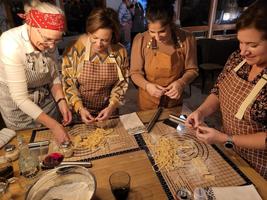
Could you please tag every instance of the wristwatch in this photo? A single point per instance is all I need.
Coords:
(229, 142)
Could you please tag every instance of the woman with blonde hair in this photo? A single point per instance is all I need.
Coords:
(31, 91)
(95, 68)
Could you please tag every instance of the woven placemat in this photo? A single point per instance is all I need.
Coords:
(221, 172)
(118, 141)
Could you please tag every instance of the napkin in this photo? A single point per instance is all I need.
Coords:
(6, 135)
(132, 123)
(247, 192)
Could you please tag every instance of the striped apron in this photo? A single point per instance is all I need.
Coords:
(38, 76)
(236, 98)
(96, 81)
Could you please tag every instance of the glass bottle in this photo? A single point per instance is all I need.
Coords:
(28, 163)
(6, 167)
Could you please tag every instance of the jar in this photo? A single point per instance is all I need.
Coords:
(66, 148)
(11, 152)
(6, 168)
(183, 194)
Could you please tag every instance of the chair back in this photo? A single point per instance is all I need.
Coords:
(215, 51)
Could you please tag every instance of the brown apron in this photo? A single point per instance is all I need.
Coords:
(96, 80)
(233, 92)
(161, 68)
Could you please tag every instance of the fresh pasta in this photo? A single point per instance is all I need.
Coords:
(93, 140)
(165, 154)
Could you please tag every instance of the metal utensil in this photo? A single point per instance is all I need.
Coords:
(86, 164)
(155, 117)
(177, 119)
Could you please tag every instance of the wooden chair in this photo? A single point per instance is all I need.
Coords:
(212, 56)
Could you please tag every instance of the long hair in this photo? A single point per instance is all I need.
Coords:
(162, 11)
(254, 17)
(104, 18)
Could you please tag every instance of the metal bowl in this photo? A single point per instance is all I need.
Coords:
(65, 182)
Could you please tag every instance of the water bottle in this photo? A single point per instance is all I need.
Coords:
(28, 163)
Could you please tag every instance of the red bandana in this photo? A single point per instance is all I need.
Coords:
(50, 21)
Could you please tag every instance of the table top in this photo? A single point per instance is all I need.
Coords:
(144, 181)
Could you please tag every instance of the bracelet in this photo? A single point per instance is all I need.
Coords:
(79, 110)
(60, 99)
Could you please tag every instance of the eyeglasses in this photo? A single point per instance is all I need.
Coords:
(47, 42)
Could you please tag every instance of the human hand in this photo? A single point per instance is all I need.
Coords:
(174, 90)
(194, 119)
(155, 90)
(105, 113)
(86, 117)
(65, 112)
(60, 134)
(210, 135)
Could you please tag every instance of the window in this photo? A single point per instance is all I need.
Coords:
(227, 12)
(194, 12)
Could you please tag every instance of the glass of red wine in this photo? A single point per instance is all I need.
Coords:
(120, 184)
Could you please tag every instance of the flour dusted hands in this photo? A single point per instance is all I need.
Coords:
(66, 113)
(210, 135)
(155, 90)
(174, 90)
(105, 113)
(60, 134)
(194, 119)
(86, 117)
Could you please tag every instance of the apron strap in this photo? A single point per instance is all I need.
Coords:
(116, 60)
(118, 63)
(88, 50)
(240, 65)
(250, 98)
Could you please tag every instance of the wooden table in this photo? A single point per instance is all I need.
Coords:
(144, 182)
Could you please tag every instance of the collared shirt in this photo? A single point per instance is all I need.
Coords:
(72, 65)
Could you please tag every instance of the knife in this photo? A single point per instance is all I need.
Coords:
(86, 164)
(155, 117)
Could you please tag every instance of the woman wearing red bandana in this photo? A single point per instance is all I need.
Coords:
(30, 88)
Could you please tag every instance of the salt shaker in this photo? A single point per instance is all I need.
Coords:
(183, 194)
(200, 194)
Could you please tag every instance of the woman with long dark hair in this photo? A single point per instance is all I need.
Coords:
(163, 59)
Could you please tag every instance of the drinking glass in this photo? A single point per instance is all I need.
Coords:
(120, 184)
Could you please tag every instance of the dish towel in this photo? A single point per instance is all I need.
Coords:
(247, 192)
(6, 135)
(132, 123)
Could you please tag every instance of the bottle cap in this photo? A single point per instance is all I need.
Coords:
(10, 147)
(183, 193)
(65, 144)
